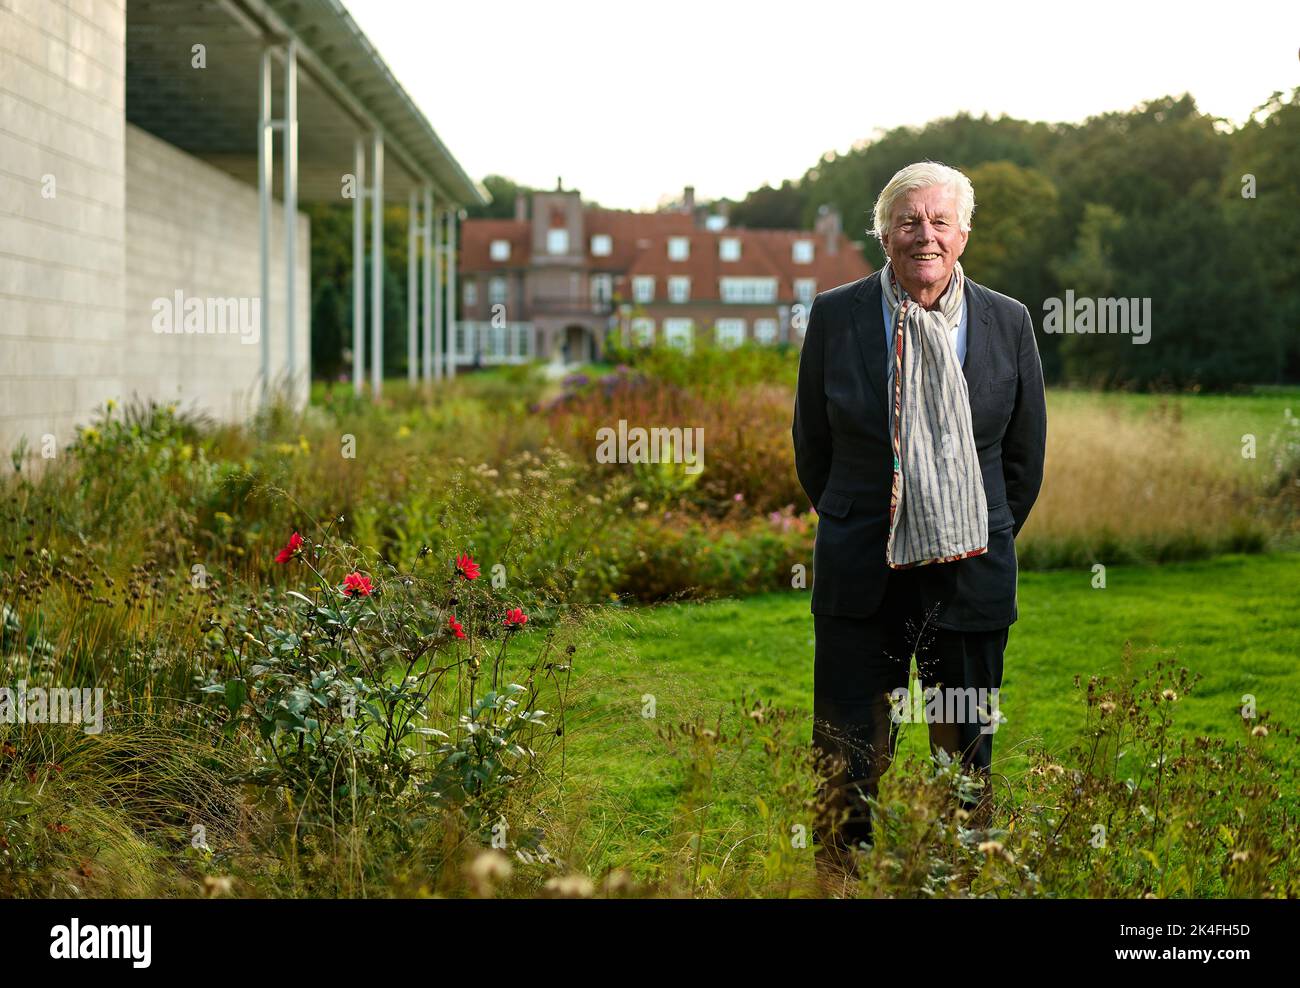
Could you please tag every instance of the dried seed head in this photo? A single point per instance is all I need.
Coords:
(216, 885)
(489, 869)
(572, 886)
(618, 882)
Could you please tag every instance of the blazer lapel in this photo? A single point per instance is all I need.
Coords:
(869, 330)
(978, 335)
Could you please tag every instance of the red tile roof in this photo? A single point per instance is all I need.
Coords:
(476, 238)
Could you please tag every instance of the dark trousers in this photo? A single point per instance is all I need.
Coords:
(859, 664)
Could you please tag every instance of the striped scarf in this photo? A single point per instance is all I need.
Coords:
(937, 509)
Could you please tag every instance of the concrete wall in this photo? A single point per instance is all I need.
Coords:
(192, 228)
(99, 219)
(62, 207)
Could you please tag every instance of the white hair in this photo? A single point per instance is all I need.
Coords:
(924, 175)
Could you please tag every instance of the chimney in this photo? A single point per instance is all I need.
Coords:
(830, 226)
(688, 200)
(521, 207)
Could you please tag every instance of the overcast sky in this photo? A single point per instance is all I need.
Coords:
(629, 102)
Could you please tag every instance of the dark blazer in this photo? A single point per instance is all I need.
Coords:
(844, 456)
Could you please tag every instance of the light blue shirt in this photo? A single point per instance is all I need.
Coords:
(958, 341)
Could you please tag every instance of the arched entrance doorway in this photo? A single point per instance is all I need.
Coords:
(577, 345)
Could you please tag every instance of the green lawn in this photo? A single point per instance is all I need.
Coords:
(1231, 619)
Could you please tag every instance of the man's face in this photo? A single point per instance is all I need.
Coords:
(923, 240)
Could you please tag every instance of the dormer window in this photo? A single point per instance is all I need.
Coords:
(729, 249)
(557, 241)
(803, 252)
(602, 245)
(679, 248)
(500, 250)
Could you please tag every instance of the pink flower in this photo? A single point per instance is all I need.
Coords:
(285, 554)
(515, 619)
(456, 628)
(466, 567)
(354, 583)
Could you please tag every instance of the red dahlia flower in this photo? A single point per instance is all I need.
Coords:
(515, 619)
(285, 554)
(466, 567)
(456, 628)
(354, 583)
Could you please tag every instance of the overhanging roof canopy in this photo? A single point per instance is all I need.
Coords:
(344, 89)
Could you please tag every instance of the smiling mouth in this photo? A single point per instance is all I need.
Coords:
(925, 257)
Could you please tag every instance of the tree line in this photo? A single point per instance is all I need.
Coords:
(1161, 202)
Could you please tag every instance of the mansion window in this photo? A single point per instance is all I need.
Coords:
(761, 290)
(643, 331)
(729, 333)
(680, 333)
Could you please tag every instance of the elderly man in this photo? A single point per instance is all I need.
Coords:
(919, 431)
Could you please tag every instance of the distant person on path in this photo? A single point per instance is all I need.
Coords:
(919, 433)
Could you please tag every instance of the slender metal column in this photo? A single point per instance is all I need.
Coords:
(412, 289)
(439, 368)
(426, 321)
(291, 213)
(265, 160)
(359, 267)
(377, 267)
(451, 292)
